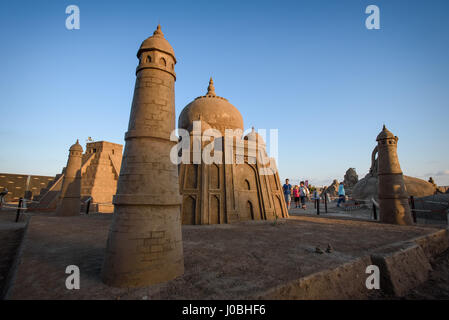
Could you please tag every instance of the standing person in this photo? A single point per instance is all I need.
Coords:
(287, 187)
(325, 195)
(316, 195)
(303, 192)
(341, 194)
(3, 195)
(296, 195)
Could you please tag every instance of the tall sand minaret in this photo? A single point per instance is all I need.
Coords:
(393, 197)
(145, 242)
(70, 196)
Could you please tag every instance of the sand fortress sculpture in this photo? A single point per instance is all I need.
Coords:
(98, 167)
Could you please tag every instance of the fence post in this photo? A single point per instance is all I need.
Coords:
(19, 206)
(447, 218)
(88, 205)
(374, 211)
(412, 202)
(325, 202)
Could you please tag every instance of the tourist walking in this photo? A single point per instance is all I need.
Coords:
(303, 193)
(287, 187)
(341, 194)
(296, 195)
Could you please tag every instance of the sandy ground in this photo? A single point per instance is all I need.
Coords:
(360, 214)
(332, 211)
(437, 287)
(10, 237)
(221, 261)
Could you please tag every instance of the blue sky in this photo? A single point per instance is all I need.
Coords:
(308, 68)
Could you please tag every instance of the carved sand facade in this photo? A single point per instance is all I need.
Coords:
(99, 174)
(99, 170)
(226, 191)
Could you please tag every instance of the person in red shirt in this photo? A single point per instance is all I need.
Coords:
(296, 195)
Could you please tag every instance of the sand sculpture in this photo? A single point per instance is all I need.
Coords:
(392, 194)
(350, 180)
(70, 195)
(145, 243)
(226, 191)
(367, 188)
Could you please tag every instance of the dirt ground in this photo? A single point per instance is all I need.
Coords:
(10, 237)
(437, 287)
(221, 261)
(363, 213)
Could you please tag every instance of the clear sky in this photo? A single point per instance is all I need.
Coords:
(308, 68)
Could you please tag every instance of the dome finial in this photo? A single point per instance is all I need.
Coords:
(211, 88)
(385, 134)
(158, 31)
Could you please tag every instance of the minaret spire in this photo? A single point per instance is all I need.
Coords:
(211, 88)
(158, 31)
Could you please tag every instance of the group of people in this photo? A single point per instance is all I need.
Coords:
(300, 193)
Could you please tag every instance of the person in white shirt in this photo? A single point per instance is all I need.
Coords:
(304, 192)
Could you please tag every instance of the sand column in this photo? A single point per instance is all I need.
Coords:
(70, 197)
(393, 197)
(145, 242)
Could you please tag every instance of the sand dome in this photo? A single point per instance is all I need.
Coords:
(254, 136)
(385, 134)
(157, 41)
(214, 110)
(76, 147)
